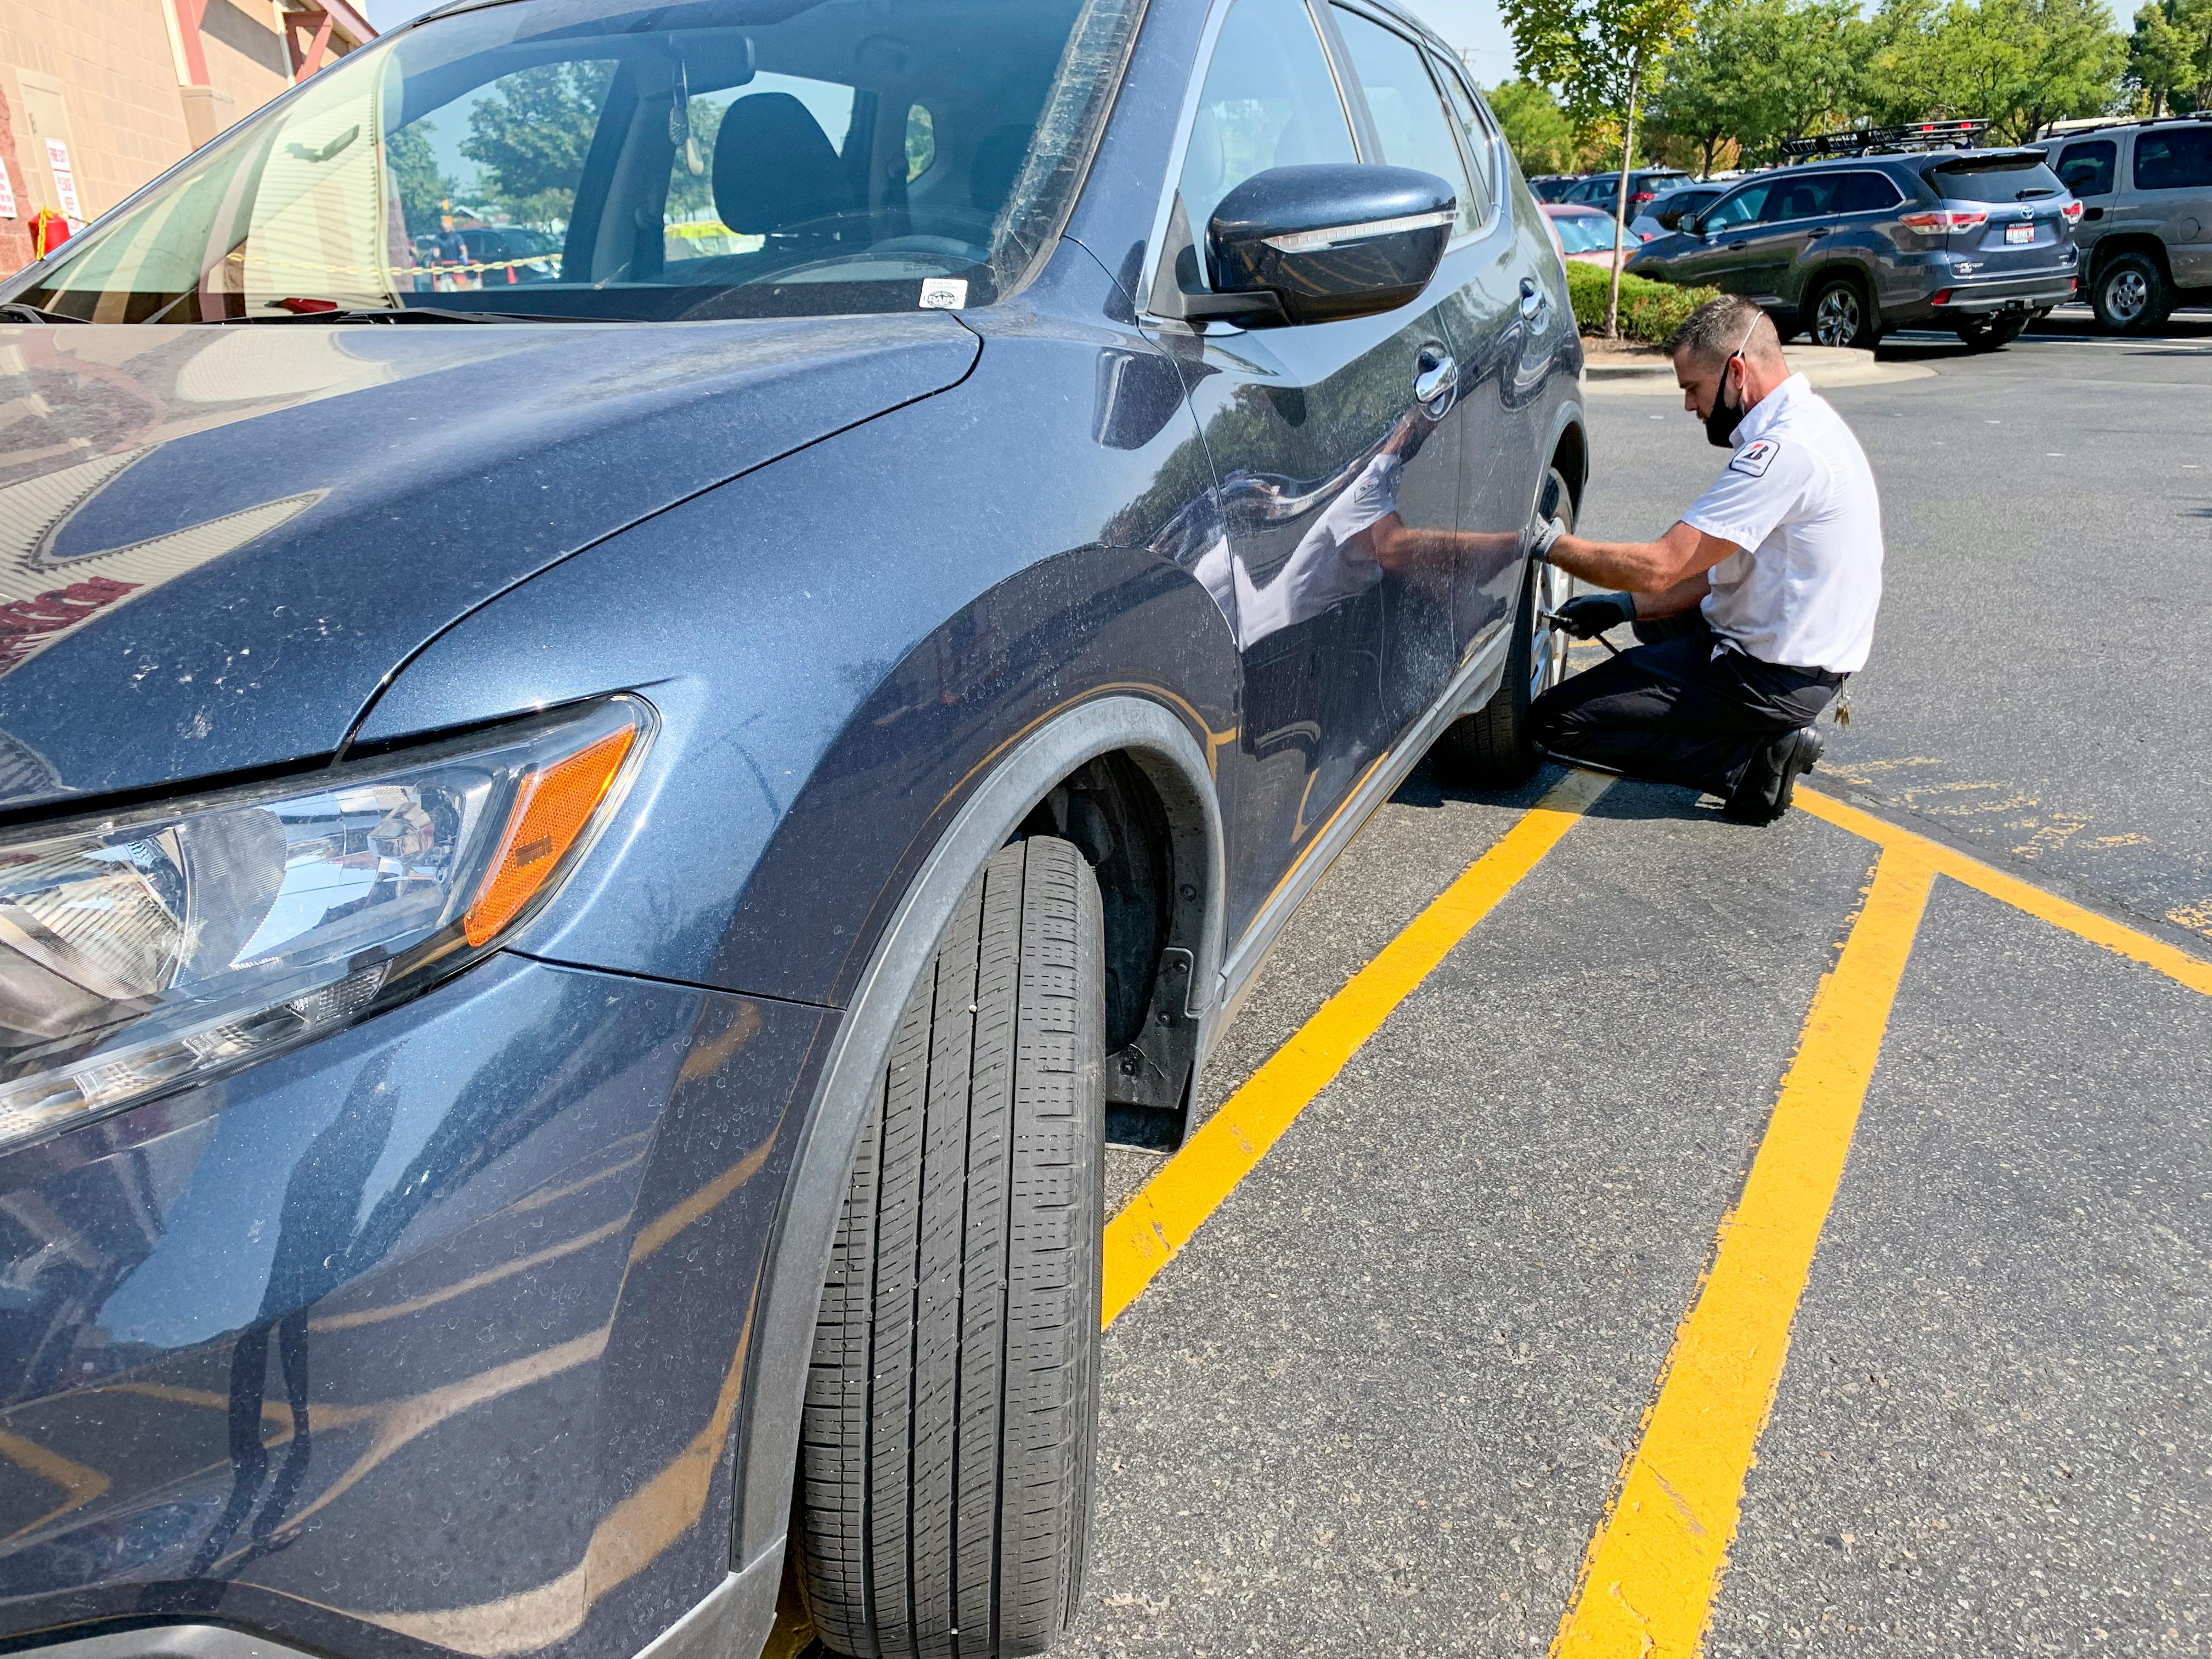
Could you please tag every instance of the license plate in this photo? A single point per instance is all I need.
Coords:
(2016, 235)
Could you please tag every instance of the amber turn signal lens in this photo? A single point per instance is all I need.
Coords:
(551, 810)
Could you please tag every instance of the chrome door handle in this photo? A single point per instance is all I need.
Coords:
(1824, 230)
(1532, 299)
(1439, 379)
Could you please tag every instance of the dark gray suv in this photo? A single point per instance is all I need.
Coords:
(1976, 241)
(2146, 188)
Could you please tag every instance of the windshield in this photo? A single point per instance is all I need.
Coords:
(1586, 233)
(617, 160)
(1995, 179)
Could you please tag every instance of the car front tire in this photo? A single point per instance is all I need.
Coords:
(2130, 296)
(947, 1451)
(1495, 747)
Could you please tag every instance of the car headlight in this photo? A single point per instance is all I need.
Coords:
(137, 953)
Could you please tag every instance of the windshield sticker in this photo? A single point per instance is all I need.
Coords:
(1754, 457)
(944, 294)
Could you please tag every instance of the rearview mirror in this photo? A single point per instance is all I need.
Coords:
(1312, 243)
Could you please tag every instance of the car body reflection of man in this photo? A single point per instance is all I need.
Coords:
(1775, 572)
(1359, 538)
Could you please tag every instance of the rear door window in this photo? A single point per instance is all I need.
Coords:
(1865, 192)
(2087, 168)
(1409, 114)
(2174, 158)
(1799, 198)
(1995, 179)
(1481, 146)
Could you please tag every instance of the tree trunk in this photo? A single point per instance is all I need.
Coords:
(1620, 201)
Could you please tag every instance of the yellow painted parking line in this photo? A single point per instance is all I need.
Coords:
(1161, 1219)
(2176, 963)
(1648, 1581)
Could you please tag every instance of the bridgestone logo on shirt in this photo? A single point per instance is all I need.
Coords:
(1753, 457)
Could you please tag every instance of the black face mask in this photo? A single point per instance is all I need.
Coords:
(1725, 417)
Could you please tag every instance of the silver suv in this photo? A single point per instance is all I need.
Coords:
(2146, 227)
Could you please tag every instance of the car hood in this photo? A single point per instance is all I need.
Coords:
(216, 544)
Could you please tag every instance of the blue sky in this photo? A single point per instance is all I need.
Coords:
(1472, 26)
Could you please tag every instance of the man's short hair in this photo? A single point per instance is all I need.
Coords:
(1716, 331)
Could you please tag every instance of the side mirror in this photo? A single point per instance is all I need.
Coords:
(1312, 243)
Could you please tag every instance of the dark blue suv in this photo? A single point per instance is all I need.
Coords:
(1976, 240)
(588, 857)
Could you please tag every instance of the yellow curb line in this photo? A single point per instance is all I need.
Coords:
(1159, 1220)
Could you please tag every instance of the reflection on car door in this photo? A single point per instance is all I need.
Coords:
(1337, 486)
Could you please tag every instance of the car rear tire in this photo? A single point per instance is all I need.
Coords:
(1841, 316)
(2130, 295)
(1495, 747)
(1993, 333)
(951, 1427)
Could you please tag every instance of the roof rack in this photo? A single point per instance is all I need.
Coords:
(1868, 141)
(2056, 131)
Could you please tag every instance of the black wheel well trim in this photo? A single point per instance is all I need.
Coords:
(783, 1335)
(1569, 437)
(2110, 248)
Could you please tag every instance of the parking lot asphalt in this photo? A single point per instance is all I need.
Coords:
(1474, 1358)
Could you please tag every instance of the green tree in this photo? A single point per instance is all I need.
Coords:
(2016, 64)
(2170, 58)
(1757, 72)
(1543, 138)
(531, 134)
(415, 176)
(1604, 55)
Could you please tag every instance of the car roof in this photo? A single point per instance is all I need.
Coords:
(1571, 209)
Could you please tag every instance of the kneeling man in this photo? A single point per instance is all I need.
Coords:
(1774, 574)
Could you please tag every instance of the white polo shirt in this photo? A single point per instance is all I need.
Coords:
(1798, 501)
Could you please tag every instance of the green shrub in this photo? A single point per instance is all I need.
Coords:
(1650, 311)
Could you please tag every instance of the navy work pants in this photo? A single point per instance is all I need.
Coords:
(1679, 711)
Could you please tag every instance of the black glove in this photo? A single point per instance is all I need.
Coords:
(1588, 614)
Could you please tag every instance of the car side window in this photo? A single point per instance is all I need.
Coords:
(1482, 145)
(1799, 198)
(2087, 168)
(1739, 209)
(1269, 100)
(2174, 158)
(1865, 192)
(1409, 115)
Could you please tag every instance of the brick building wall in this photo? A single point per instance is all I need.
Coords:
(125, 88)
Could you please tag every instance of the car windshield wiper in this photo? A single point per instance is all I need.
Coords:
(412, 314)
(14, 310)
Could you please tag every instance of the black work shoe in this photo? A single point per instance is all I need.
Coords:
(1801, 755)
(1768, 782)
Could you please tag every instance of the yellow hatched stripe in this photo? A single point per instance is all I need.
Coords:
(2178, 964)
(1649, 1579)
(1189, 1186)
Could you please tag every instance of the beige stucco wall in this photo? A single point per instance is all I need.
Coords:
(111, 72)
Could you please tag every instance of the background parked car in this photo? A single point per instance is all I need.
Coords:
(1979, 241)
(1586, 233)
(1644, 186)
(1552, 186)
(2146, 225)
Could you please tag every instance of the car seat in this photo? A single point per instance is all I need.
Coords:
(776, 171)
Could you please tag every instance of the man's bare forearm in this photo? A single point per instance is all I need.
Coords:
(1634, 566)
(1684, 595)
(1655, 568)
